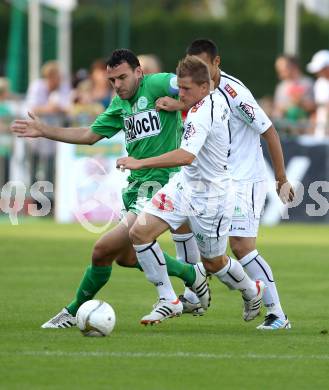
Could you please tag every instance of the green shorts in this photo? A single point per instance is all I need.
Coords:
(136, 195)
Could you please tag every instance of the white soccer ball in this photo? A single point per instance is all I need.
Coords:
(95, 318)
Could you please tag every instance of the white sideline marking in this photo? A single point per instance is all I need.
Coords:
(191, 355)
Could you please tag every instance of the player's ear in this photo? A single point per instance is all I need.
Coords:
(217, 60)
(139, 72)
(205, 87)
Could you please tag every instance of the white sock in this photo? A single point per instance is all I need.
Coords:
(154, 265)
(187, 251)
(258, 269)
(235, 278)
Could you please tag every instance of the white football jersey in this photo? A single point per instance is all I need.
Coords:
(206, 135)
(247, 122)
(321, 91)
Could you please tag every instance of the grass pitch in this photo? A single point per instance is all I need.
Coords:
(41, 265)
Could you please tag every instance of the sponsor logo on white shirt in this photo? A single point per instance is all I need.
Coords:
(197, 106)
(230, 91)
(247, 111)
(189, 130)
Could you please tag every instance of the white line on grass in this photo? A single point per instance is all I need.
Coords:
(165, 355)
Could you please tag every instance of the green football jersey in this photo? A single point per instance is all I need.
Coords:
(148, 133)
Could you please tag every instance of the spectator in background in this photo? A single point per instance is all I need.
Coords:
(9, 107)
(84, 109)
(80, 75)
(5, 104)
(50, 94)
(150, 63)
(50, 98)
(293, 97)
(319, 66)
(101, 91)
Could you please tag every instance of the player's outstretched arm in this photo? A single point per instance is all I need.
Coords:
(175, 158)
(284, 188)
(34, 128)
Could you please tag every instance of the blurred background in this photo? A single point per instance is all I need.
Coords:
(52, 61)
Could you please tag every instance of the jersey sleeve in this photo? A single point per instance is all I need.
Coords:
(164, 84)
(110, 121)
(249, 111)
(196, 129)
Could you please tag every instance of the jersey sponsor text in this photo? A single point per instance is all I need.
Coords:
(141, 125)
(247, 111)
(230, 91)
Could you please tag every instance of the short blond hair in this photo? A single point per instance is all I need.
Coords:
(49, 68)
(194, 67)
(150, 63)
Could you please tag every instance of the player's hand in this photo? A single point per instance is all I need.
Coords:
(32, 127)
(285, 191)
(167, 104)
(128, 163)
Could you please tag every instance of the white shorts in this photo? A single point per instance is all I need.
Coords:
(249, 203)
(208, 217)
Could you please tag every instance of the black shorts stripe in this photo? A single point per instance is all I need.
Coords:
(218, 227)
(253, 199)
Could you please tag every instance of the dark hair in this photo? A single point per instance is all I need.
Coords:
(120, 56)
(192, 66)
(203, 46)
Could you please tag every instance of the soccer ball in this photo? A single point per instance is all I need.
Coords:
(95, 318)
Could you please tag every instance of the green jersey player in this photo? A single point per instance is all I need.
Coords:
(148, 133)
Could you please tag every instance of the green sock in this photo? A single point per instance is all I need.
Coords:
(183, 271)
(93, 280)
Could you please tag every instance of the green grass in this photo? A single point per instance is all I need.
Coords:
(41, 265)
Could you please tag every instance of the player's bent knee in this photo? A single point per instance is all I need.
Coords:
(241, 246)
(216, 264)
(138, 235)
(236, 251)
(101, 256)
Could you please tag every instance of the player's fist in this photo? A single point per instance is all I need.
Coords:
(167, 103)
(128, 163)
(285, 191)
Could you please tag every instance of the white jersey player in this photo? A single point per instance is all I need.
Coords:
(200, 194)
(246, 163)
(248, 121)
